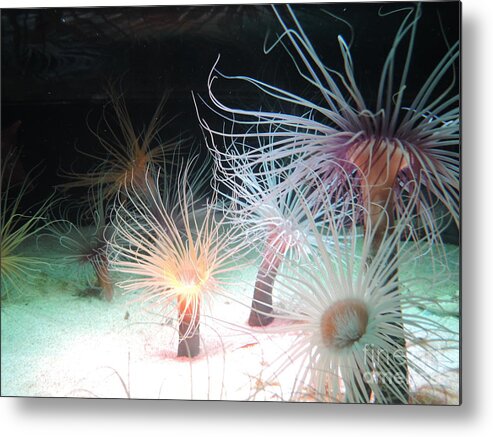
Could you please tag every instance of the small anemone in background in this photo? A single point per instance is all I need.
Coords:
(346, 314)
(174, 250)
(86, 243)
(17, 227)
(127, 154)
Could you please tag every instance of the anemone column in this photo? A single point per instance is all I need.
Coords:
(262, 295)
(189, 327)
(266, 276)
(379, 162)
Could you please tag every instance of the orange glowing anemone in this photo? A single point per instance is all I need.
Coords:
(175, 251)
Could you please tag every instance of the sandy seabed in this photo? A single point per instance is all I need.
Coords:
(55, 343)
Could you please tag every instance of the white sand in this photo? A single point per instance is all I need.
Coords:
(57, 344)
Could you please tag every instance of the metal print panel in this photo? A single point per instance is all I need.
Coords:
(236, 202)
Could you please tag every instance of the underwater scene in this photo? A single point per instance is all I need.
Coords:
(235, 202)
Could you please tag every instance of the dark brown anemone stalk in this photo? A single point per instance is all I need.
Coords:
(261, 310)
(379, 163)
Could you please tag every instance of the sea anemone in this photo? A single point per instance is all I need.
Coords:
(268, 215)
(87, 244)
(347, 314)
(127, 153)
(175, 251)
(16, 227)
(404, 146)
